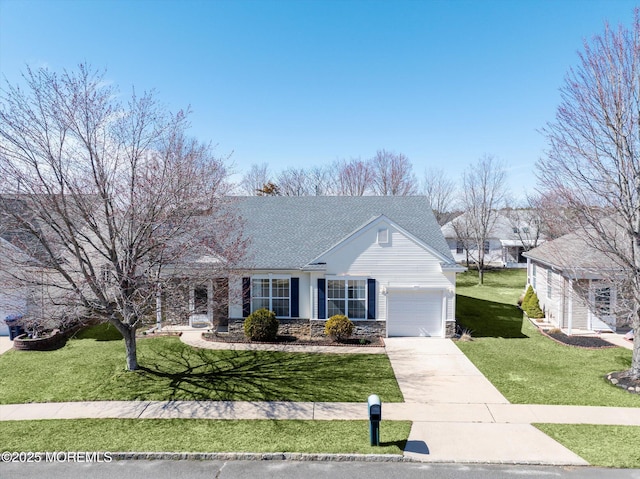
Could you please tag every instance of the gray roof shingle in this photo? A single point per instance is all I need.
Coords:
(289, 232)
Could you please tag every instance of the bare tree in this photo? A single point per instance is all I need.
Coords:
(553, 216)
(526, 227)
(593, 160)
(353, 177)
(393, 175)
(294, 182)
(440, 191)
(114, 198)
(253, 181)
(462, 229)
(483, 194)
(319, 180)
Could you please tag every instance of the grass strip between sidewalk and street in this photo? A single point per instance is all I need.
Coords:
(93, 370)
(201, 435)
(605, 446)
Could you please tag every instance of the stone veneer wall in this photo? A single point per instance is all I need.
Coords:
(449, 329)
(175, 305)
(362, 329)
(313, 329)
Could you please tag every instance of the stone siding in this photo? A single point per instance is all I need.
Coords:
(449, 329)
(362, 329)
(312, 329)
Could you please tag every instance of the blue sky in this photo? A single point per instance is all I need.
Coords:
(302, 83)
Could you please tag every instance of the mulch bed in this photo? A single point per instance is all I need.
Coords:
(624, 380)
(587, 342)
(294, 340)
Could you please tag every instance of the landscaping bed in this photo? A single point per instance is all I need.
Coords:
(375, 341)
(587, 342)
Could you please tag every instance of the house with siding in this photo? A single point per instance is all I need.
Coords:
(381, 261)
(512, 233)
(575, 284)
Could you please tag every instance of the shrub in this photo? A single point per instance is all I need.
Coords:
(338, 327)
(527, 297)
(531, 305)
(261, 325)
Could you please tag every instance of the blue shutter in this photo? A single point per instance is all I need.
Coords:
(322, 299)
(295, 297)
(246, 297)
(371, 299)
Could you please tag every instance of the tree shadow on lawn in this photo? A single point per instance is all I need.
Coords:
(175, 371)
(489, 319)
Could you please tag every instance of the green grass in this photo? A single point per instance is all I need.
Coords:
(606, 446)
(201, 435)
(99, 332)
(525, 366)
(91, 370)
(500, 285)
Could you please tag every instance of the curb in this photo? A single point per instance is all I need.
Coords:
(257, 456)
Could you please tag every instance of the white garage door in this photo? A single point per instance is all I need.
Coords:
(415, 313)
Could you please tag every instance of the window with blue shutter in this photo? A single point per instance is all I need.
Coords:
(322, 299)
(371, 298)
(246, 297)
(295, 297)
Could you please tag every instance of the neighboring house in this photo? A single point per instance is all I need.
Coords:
(513, 233)
(574, 285)
(382, 261)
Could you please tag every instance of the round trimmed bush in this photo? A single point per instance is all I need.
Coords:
(261, 325)
(338, 327)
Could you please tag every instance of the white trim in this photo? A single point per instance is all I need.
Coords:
(383, 236)
(270, 277)
(347, 278)
(413, 287)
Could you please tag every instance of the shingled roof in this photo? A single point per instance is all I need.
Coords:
(572, 253)
(290, 232)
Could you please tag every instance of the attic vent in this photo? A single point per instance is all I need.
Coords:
(383, 236)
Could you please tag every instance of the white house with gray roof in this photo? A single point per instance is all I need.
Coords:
(512, 232)
(575, 284)
(382, 261)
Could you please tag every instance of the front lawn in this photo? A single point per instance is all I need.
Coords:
(605, 446)
(525, 366)
(201, 435)
(93, 370)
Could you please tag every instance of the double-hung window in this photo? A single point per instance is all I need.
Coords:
(348, 297)
(272, 293)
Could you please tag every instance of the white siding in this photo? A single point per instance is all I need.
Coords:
(401, 262)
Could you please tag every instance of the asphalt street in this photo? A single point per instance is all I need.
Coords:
(160, 469)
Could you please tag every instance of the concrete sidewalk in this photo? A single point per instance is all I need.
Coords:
(457, 414)
(5, 344)
(428, 413)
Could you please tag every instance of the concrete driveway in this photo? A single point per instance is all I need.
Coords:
(451, 404)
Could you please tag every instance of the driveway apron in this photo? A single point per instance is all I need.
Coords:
(436, 378)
